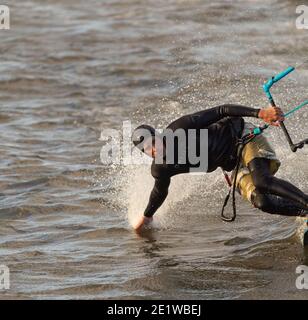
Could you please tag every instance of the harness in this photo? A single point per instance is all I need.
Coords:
(241, 142)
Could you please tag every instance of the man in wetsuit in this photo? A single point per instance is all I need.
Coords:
(225, 124)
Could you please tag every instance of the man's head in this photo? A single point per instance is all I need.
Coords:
(147, 140)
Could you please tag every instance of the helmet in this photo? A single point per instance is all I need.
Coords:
(141, 134)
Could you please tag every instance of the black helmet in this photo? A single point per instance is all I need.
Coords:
(141, 134)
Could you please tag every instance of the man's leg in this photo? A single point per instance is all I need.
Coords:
(276, 205)
(266, 183)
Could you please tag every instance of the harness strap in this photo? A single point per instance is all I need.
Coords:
(240, 146)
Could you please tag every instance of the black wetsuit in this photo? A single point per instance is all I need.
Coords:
(225, 125)
(274, 195)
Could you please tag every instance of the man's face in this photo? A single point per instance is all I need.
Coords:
(153, 147)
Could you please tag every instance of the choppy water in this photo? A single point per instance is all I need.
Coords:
(72, 68)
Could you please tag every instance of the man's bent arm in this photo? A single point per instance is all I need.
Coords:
(158, 196)
(210, 116)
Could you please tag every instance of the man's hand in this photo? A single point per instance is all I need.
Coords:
(271, 115)
(145, 221)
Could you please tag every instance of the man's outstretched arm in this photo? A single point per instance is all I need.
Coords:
(210, 116)
(157, 197)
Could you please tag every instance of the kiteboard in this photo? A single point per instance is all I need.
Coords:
(305, 237)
